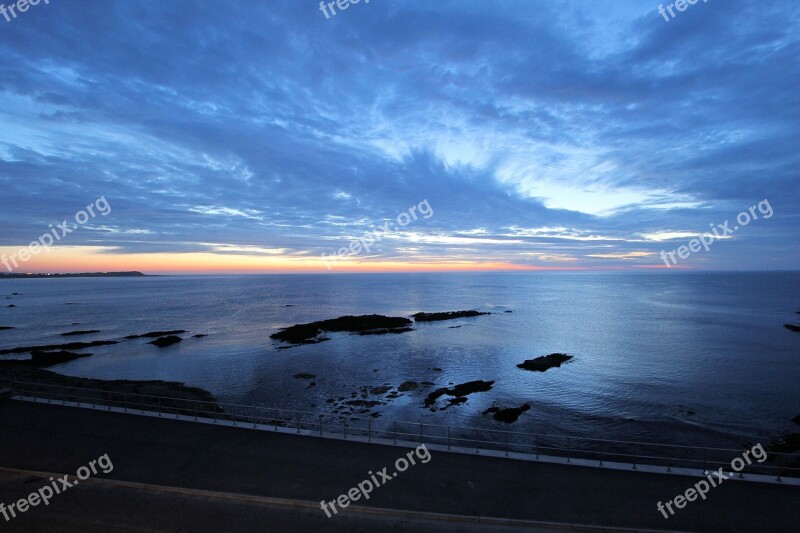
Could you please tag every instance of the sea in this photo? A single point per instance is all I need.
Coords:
(675, 357)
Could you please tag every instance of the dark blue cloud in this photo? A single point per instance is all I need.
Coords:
(541, 134)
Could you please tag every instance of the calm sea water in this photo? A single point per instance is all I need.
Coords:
(650, 348)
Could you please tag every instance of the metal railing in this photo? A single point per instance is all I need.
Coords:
(567, 447)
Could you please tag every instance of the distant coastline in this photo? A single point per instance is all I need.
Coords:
(131, 274)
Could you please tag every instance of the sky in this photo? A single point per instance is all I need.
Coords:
(256, 136)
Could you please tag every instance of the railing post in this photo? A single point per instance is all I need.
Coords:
(448, 438)
(476, 441)
(569, 448)
(320, 425)
(420, 433)
(537, 446)
(369, 430)
(395, 431)
(507, 444)
(298, 422)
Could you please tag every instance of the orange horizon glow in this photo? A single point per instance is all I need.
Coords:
(78, 259)
(98, 259)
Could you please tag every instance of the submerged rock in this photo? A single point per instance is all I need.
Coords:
(450, 315)
(546, 362)
(51, 347)
(788, 444)
(303, 375)
(81, 332)
(163, 342)
(383, 389)
(363, 403)
(509, 415)
(154, 334)
(364, 324)
(40, 358)
(463, 389)
(408, 386)
(384, 331)
(792, 327)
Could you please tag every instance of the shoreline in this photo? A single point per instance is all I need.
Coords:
(11, 371)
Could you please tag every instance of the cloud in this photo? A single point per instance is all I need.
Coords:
(555, 132)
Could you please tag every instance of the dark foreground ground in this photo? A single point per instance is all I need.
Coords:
(243, 480)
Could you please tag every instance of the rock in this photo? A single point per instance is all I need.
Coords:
(200, 335)
(163, 342)
(154, 334)
(509, 415)
(51, 347)
(363, 403)
(3, 328)
(455, 327)
(450, 315)
(380, 390)
(364, 324)
(12, 305)
(792, 327)
(408, 386)
(508, 311)
(41, 358)
(456, 401)
(796, 419)
(312, 384)
(84, 332)
(385, 331)
(788, 444)
(304, 376)
(435, 369)
(541, 364)
(460, 390)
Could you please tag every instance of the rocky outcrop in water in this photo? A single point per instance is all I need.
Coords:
(792, 327)
(80, 332)
(163, 342)
(154, 334)
(509, 415)
(450, 315)
(51, 347)
(459, 391)
(364, 325)
(546, 362)
(40, 359)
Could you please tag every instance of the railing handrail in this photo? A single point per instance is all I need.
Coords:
(318, 415)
